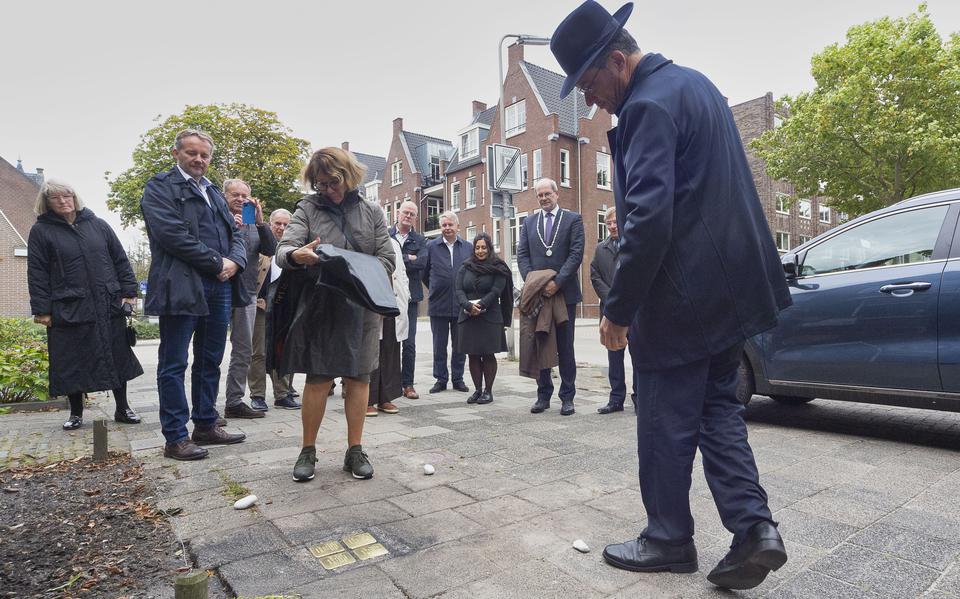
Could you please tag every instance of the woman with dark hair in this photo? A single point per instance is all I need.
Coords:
(81, 287)
(484, 289)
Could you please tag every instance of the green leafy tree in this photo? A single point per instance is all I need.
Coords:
(881, 125)
(251, 144)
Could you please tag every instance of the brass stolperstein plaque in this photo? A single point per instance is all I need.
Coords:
(325, 549)
(370, 551)
(337, 560)
(359, 540)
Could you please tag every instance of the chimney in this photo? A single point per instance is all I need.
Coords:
(478, 107)
(397, 126)
(345, 146)
(514, 55)
(40, 173)
(443, 166)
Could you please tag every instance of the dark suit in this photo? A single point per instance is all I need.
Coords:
(601, 276)
(439, 275)
(189, 238)
(698, 273)
(566, 255)
(414, 244)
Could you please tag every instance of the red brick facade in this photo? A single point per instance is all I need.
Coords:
(18, 192)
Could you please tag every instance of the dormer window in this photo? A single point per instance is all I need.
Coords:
(470, 143)
(516, 118)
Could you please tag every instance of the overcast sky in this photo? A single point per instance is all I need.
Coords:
(83, 80)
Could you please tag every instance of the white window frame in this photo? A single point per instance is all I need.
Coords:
(496, 234)
(602, 232)
(782, 205)
(524, 173)
(518, 221)
(564, 168)
(515, 118)
(537, 165)
(471, 233)
(455, 196)
(605, 181)
(396, 173)
(471, 200)
(805, 209)
(783, 243)
(372, 192)
(435, 167)
(470, 143)
(824, 210)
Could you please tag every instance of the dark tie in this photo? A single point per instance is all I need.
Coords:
(548, 228)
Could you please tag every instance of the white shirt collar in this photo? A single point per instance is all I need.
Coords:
(204, 182)
(554, 212)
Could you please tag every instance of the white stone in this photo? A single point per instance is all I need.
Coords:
(580, 546)
(245, 502)
(428, 469)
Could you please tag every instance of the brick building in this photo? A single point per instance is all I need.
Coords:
(373, 177)
(792, 221)
(18, 192)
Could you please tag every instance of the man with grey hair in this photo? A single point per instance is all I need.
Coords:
(197, 252)
(259, 240)
(444, 257)
(284, 396)
(412, 244)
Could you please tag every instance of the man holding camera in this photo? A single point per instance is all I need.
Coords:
(259, 239)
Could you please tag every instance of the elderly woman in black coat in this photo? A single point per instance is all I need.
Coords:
(484, 291)
(80, 279)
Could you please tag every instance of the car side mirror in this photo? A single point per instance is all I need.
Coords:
(791, 265)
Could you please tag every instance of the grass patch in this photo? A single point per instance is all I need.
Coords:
(232, 490)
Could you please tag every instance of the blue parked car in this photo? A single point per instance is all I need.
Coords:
(875, 315)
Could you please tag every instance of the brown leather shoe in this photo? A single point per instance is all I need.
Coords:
(184, 450)
(242, 410)
(388, 408)
(410, 393)
(216, 436)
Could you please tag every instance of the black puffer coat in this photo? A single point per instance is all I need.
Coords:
(78, 274)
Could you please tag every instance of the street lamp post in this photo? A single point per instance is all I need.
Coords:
(505, 225)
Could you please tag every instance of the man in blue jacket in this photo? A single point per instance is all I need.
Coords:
(196, 252)
(444, 257)
(698, 273)
(553, 239)
(413, 245)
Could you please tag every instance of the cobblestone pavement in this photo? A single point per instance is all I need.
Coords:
(865, 497)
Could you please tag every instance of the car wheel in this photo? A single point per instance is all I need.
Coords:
(745, 384)
(791, 400)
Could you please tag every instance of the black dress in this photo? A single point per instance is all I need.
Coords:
(482, 334)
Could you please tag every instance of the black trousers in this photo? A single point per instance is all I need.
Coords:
(385, 380)
(568, 362)
(444, 328)
(684, 408)
(409, 359)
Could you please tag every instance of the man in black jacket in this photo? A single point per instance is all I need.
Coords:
(412, 244)
(196, 251)
(601, 275)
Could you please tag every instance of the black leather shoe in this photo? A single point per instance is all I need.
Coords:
(242, 410)
(485, 398)
(540, 406)
(216, 436)
(221, 422)
(609, 409)
(646, 555)
(460, 386)
(126, 416)
(566, 408)
(184, 450)
(474, 396)
(748, 563)
(438, 387)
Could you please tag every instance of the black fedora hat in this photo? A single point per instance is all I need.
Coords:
(582, 36)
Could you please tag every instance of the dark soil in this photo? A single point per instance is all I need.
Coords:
(83, 529)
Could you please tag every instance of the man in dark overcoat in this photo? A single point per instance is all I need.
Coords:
(553, 238)
(196, 253)
(444, 257)
(413, 245)
(602, 267)
(698, 274)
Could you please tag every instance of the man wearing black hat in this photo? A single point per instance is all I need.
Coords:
(698, 274)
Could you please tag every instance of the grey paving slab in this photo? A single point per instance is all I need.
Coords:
(910, 545)
(415, 575)
(499, 511)
(814, 585)
(431, 500)
(534, 578)
(812, 530)
(487, 487)
(272, 573)
(432, 529)
(363, 583)
(877, 573)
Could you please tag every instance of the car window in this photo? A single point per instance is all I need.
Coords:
(902, 238)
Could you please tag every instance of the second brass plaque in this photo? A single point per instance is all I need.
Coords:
(359, 540)
(325, 549)
(370, 551)
(337, 560)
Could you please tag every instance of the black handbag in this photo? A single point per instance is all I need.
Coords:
(131, 331)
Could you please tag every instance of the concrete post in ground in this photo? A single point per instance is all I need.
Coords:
(192, 585)
(99, 440)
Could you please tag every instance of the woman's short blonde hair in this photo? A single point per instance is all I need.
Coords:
(55, 188)
(334, 163)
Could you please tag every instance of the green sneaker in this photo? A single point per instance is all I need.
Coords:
(357, 464)
(303, 471)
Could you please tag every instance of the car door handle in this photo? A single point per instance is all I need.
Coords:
(916, 286)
